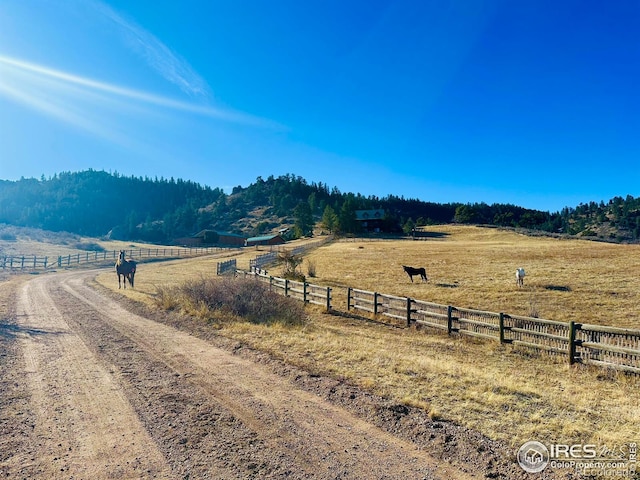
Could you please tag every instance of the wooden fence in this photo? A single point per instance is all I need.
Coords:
(226, 267)
(272, 256)
(262, 260)
(609, 347)
(303, 291)
(35, 262)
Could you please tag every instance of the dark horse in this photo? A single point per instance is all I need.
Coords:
(126, 268)
(416, 271)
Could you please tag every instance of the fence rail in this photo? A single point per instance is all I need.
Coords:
(226, 267)
(612, 347)
(537, 333)
(609, 347)
(35, 262)
(262, 260)
(303, 291)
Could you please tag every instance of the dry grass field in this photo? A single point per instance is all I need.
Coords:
(506, 394)
(23, 241)
(474, 267)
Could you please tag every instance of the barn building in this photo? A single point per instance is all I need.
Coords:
(265, 240)
(211, 237)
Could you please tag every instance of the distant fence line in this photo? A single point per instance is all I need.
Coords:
(608, 347)
(262, 260)
(271, 257)
(35, 262)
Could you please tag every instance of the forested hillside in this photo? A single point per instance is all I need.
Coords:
(97, 203)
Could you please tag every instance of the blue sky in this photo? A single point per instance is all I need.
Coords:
(535, 103)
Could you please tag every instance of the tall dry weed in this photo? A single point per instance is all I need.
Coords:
(232, 298)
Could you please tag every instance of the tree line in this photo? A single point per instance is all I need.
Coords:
(98, 203)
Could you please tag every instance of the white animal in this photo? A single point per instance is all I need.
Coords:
(520, 277)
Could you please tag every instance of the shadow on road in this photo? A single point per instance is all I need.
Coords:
(10, 330)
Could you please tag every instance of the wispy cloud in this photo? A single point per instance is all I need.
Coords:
(55, 92)
(40, 73)
(65, 101)
(157, 55)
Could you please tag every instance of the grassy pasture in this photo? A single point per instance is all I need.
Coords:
(505, 393)
(474, 267)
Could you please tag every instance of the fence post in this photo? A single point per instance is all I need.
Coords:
(45, 262)
(572, 342)
(449, 319)
(304, 291)
(501, 323)
(375, 303)
(409, 311)
(286, 287)
(348, 298)
(328, 298)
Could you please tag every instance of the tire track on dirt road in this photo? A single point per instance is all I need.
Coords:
(84, 426)
(118, 395)
(322, 439)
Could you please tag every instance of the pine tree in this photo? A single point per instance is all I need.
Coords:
(329, 219)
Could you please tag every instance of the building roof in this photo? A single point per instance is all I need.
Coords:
(223, 234)
(377, 214)
(262, 238)
(229, 234)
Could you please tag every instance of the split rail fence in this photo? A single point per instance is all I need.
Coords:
(608, 347)
(36, 262)
(303, 291)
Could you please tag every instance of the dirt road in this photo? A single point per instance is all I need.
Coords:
(92, 390)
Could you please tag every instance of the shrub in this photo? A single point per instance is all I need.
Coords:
(89, 246)
(291, 262)
(311, 268)
(228, 298)
(8, 237)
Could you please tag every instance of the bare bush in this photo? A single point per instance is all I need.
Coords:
(89, 246)
(228, 298)
(311, 268)
(291, 263)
